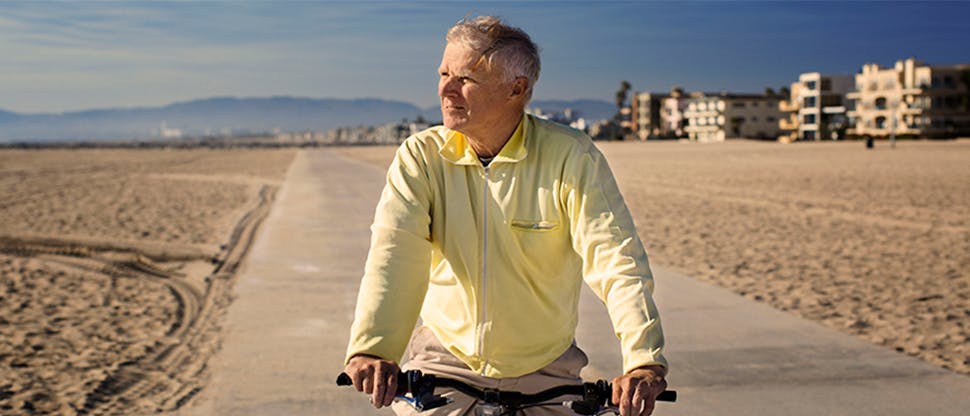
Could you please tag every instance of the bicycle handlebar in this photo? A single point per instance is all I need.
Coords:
(421, 387)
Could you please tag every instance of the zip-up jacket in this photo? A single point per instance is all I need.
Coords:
(492, 258)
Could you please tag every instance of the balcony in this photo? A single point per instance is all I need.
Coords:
(788, 106)
(786, 124)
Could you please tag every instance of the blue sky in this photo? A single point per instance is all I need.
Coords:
(64, 56)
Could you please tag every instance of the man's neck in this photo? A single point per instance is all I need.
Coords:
(490, 143)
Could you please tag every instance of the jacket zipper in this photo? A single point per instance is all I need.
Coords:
(482, 317)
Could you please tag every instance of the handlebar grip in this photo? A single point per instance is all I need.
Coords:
(344, 380)
(667, 396)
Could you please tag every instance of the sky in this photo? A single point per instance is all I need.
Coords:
(68, 56)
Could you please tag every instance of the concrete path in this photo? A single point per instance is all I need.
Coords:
(287, 330)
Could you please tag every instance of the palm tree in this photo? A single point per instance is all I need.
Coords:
(785, 92)
(621, 97)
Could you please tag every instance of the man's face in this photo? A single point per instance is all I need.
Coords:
(473, 98)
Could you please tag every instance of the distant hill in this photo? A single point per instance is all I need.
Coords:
(219, 115)
(591, 110)
(211, 116)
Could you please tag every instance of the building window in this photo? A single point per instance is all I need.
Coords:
(809, 135)
(770, 119)
(754, 118)
(809, 102)
(881, 103)
(826, 84)
(880, 122)
(809, 119)
(810, 85)
(738, 104)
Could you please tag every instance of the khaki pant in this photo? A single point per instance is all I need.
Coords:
(428, 355)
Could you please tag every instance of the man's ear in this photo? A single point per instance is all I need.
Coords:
(519, 86)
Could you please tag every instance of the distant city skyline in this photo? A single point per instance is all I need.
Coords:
(60, 57)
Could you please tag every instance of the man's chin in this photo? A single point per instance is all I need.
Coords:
(452, 123)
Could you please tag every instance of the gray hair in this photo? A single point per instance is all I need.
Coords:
(499, 42)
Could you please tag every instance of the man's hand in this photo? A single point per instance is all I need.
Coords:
(374, 376)
(636, 392)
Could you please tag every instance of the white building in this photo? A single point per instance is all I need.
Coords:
(911, 98)
(714, 118)
(672, 119)
(821, 104)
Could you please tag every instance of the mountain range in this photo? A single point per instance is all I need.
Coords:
(236, 116)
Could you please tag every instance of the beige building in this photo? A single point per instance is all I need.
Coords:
(645, 118)
(713, 118)
(659, 116)
(911, 99)
(817, 107)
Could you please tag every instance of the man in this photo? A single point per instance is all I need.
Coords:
(486, 228)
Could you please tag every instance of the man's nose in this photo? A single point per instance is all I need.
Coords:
(447, 86)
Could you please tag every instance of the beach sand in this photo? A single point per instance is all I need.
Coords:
(115, 266)
(875, 243)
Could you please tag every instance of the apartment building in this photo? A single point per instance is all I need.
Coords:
(817, 107)
(645, 118)
(911, 99)
(657, 115)
(672, 107)
(713, 118)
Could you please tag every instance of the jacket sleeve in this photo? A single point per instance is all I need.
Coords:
(396, 273)
(615, 264)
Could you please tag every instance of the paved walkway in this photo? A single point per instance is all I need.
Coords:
(286, 331)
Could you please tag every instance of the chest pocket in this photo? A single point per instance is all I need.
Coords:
(536, 237)
(528, 225)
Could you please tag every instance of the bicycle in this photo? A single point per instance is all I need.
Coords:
(417, 390)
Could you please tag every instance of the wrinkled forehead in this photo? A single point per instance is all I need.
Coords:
(458, 56)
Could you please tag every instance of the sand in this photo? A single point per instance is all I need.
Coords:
(115, 267)
(874, 243)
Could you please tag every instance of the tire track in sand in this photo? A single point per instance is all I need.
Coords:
(173, 372)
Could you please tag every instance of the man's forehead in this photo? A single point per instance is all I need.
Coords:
(458, 57)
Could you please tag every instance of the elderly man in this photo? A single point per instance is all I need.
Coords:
(486, 228)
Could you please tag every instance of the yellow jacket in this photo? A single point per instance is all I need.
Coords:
(493, 258)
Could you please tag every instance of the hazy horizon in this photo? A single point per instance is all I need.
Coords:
(66, 56)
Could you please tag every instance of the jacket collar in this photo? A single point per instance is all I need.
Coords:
(457, 150)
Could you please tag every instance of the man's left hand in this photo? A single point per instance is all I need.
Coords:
(636, 392)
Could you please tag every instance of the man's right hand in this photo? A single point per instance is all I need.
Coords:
(374, 376)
